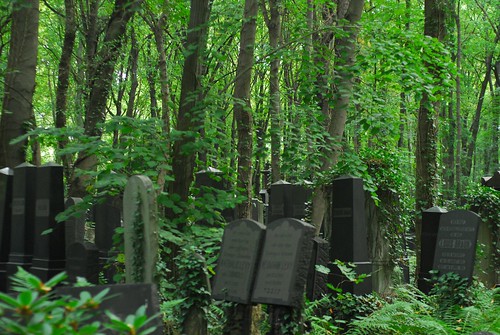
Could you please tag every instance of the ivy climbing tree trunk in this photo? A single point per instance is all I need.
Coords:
(242, 107)
(99, 85)
(63, 77)
(17, 108)
(426, 148)
(191, 115)
(348, 15)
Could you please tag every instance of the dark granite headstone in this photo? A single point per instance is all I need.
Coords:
(82, 260)
(288, 201)
(317, 281)
(284, 264)
(235, 272)
(49, 252)
(493, 182)
(75, 225)
(456, 243)
(107, 217)
(212, 179)
(349, 239)
(23, 218)
(430, 226)
(6, 178)
(122, 300)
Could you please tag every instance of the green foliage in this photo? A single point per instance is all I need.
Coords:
(36, 310)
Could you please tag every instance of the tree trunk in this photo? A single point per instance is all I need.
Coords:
(345, 47)
(273, 22)
(17, 108)
(191, 114)
(63, 79)
(134, 83)
(242, 108)
(100, 83)
(426, 150)
(458, 119)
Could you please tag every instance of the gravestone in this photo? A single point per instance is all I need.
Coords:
(456, 243)
(317, 281)
(349, 237)
(6, 179)
(140, 230)
(284, 264)
(288, 201)
(75, 225)
(107, 217)
(493, 182)
(121, 300)
(82, 260)
(430, 226)
(235, 272)
(49, 254)
(23, 218)
(212, 180)
(257, 210)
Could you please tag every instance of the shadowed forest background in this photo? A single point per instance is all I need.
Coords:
(404, 94)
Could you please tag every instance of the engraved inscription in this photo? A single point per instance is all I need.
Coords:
(42, 207)
(342, 212)
(18, 206)
(278, 209)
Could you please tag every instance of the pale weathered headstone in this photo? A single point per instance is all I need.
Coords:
(284, 264)
(75, 225)
(456, 243)
(140, 230)
(236, 266)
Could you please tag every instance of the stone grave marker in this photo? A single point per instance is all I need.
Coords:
(214, 179)
(257, 210)
(456, 243)
(107, 217)
(75, 225)
(6, 179)
(349, 237)
(140, 230)
(236, 266)
(430, 226)
(316, 280)
(288, 201)
(122, 300)
(82, 260)
(284, 264)
(49, 253)
(23, 218)
(493, 181)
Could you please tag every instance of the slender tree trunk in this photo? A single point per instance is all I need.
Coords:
(134, 83)
(345, 46)
(242, 107)
(458, 120)
(191, 114)
(17, 109)
(273, 22)
(494, 162)
(426, 151)
(100, 83)
(63, 78)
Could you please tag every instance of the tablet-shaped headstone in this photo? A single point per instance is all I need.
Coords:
(75, 225)
(140, 230)
(82, 261)
(456, 243)
(241, 246)
(284, 263)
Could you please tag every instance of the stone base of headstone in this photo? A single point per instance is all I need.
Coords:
(239, 318)
(382, 277)
(46, 269)
(3, 277)
(83, 261)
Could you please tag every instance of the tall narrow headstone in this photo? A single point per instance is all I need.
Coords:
(284, 264)
(236, 266)
(430, 226)
(288, 201)
(140, 230)
(6, 178)
(23, 218)
(349, 239)
(107, 217)
(317, 279)
(456, 243)
(75, 225)
(49, 253)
